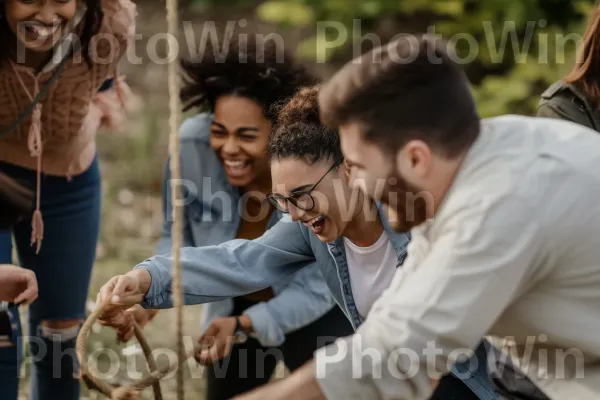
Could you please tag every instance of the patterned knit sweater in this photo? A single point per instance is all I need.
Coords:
(71, 113)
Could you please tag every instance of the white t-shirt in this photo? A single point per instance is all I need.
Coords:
(371, 271)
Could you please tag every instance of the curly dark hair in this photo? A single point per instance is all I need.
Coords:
(299, 132)
(91, 23)
(254, 68)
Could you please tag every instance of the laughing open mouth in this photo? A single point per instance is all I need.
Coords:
(36, 31)
(237, 168)
(317, 224)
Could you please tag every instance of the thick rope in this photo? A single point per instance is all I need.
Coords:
(116, 393)
(129, 391)
(177, 212)
(139, 334)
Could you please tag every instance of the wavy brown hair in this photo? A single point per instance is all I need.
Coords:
(299, 132)
(586, 72)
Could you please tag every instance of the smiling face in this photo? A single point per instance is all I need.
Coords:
(334, 202)
(39, 24)
(239, 136)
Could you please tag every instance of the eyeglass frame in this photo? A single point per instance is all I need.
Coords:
(289, 199)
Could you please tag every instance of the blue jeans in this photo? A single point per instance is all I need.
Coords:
(71, 213)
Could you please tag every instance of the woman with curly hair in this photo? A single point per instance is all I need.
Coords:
(57, 88)
(340, 229)
(227, 177)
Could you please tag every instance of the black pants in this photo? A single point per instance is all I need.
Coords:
(452, 388)
(250, 365)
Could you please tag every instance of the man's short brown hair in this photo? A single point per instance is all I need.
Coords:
(408, 89)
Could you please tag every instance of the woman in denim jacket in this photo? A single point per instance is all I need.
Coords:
(224, 156)
(341, 229)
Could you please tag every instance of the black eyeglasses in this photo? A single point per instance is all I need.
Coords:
(301, 199)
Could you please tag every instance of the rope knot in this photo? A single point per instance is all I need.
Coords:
(34, 140)
(37, 230)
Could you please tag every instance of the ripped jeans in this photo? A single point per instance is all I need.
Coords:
(71, 213)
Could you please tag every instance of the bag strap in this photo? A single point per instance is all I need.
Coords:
(29, 109)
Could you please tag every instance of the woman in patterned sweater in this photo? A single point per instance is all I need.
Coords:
(63, 50)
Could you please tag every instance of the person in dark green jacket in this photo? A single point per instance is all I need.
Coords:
(576, 97)
(568, 101)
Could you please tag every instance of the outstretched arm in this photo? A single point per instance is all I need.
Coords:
(213, 273)
(438, 307)
(441, 304)
(231, 269)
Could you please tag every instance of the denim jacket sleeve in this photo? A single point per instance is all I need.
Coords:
(231, 269)
(306, 298)
(164, 245)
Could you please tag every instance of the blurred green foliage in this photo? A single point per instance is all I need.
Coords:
(513, 49)
(201, 5)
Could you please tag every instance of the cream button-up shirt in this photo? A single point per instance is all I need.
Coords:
(513, 253)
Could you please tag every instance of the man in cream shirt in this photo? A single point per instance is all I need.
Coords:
(505, 222)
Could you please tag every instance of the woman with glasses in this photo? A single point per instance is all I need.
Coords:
(227, 177)
(342, 230)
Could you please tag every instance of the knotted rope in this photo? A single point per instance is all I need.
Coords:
(130, 392)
